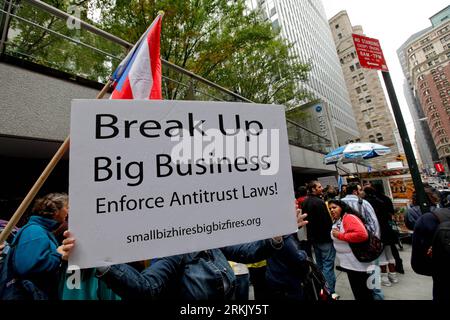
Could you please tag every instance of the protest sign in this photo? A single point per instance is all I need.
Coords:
(157, 178)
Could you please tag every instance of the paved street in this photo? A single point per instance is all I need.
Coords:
(411, 286)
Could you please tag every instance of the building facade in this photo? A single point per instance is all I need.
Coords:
(304, 24)
(374, 119)
(426, 60)
(424, 140)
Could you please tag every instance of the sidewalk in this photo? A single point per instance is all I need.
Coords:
(411, 286)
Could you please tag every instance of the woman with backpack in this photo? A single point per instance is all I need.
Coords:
(36, 254)
(348, 228)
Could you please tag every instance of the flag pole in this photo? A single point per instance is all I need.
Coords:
(41, 180)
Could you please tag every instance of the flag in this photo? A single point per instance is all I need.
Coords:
(138, 76)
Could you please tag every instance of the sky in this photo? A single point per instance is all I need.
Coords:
(392, 22)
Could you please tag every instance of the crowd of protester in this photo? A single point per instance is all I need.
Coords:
(332, 220)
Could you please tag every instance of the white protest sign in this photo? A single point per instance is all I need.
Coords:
(158, 178)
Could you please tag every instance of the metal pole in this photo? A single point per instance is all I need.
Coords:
(5, 27)
(414, 170)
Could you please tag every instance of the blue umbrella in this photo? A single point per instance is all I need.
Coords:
(355, 151)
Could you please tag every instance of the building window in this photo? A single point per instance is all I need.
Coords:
(428, 48)
(336, 26)
(443, 30)
(430, 55)
(380, 137)
(364, 87)
(368, 125)
(375, 123)
(358, 90)
(355, 78)
(352, 68)
(361, 76)
(372, 139)
(445, 39)
(340, 35)
(426, 40)
(368, 99)
(358, 66)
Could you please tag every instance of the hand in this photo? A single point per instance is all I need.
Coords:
(335, 232)
(300, 218)
(68, 244)
(2, 246)
(430, 252)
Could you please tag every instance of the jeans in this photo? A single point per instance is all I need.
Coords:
(325, 256)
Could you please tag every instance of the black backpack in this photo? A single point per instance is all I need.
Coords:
(369, 250)
(441, 240)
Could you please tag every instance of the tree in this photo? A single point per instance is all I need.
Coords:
(44, 39)
(219, 40)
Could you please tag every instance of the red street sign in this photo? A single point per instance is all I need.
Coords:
(369, 53)
(439, 167)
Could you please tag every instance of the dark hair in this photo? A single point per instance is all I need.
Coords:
(345, 207)
(353, 186)
(331, 192)
(312, 185)
(432, 196)
(49, 204)
(370, 190)
(302, 191)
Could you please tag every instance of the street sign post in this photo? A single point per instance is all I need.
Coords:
(371, 56)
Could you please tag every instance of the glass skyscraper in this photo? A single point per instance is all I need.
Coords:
(303, 23)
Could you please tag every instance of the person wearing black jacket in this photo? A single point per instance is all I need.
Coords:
(387, 236)
(390, 210)
(319, 232)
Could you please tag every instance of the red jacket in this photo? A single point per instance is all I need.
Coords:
(354, 230)
(300, 201)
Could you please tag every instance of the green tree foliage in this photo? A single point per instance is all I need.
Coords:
(220, 40)
(46, 39)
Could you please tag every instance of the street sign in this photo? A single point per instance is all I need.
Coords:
(369, 53)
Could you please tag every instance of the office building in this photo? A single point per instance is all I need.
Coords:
(304, 24)
(373, 116)
(425, 58)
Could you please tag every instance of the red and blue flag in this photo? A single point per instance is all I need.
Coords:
(139, 75)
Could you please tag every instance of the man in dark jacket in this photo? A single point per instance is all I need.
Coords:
(319, 232)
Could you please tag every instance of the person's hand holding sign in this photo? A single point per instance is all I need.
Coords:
(67, 245)
(300, 223)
